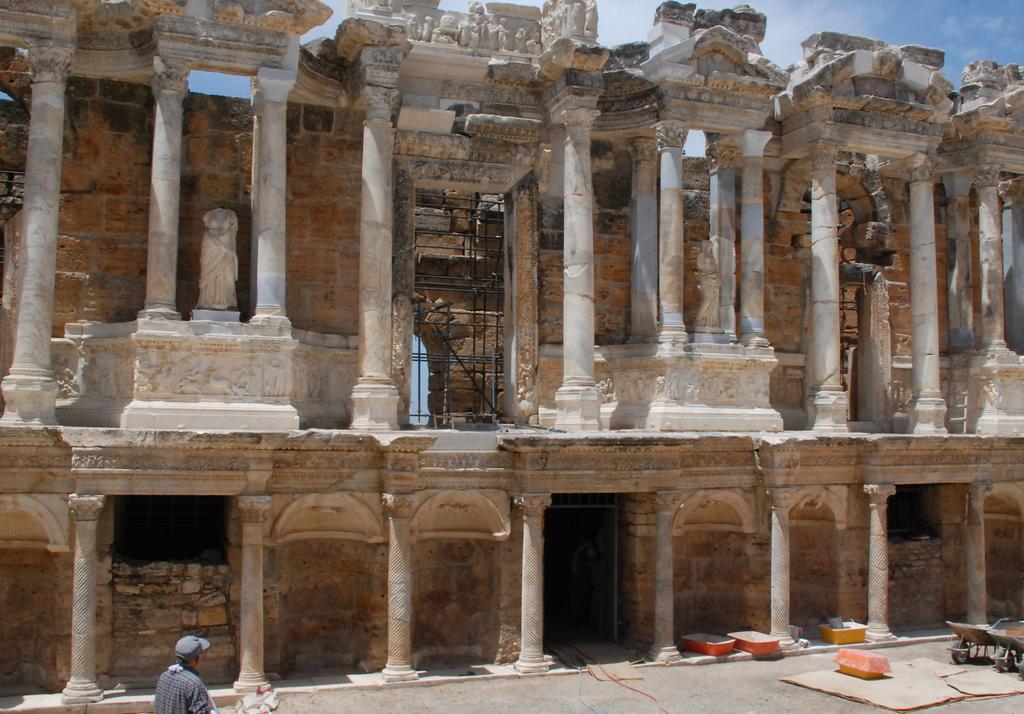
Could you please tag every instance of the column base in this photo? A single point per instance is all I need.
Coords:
(159, 313)
(672, 340)
(755, 340)
(276, 318)
(827, 412)
(29, 399)
(786, 643)
(374, 405)
(664, 654)
(250, 683)
(81, 692)
(928, 416)
(532, 664)
(879, 634)
(402, 673)
(579, 408)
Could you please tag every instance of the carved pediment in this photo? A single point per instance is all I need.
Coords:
(991, 99)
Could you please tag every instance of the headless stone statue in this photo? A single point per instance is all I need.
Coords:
(708, 317)
(218, 261)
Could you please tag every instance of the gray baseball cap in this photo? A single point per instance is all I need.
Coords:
(189, 647)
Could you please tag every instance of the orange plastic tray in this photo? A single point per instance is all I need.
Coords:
(849, 635)
(703, 643)
(757, 643)
(862, 664)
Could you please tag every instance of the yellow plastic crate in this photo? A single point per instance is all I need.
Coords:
(850, 635)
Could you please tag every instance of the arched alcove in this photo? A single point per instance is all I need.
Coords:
(813, 566)
(1004, 551)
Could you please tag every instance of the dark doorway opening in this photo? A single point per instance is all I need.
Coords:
(580, 568)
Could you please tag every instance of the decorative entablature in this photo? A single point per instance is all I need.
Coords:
(574, 76)
(988, 119)
(370, 53)
(630, 102)
(866, 96)
(295, 17)
(219, 47)
(27, 23)
(709, 67)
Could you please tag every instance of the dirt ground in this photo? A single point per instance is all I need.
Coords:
(735, 687)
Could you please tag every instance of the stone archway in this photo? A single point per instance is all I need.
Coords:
(814, 571)
(716, 587)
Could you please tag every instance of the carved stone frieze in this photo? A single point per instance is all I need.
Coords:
(510, 129)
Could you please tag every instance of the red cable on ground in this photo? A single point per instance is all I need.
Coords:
(619, 682)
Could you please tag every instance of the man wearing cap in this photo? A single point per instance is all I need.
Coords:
(180, 689)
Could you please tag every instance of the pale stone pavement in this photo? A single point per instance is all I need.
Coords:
(735, 687)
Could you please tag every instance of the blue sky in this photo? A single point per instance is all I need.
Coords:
(965, 29)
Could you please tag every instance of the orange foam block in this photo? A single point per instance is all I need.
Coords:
(862, 664)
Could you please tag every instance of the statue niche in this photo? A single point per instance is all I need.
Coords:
(218, 265)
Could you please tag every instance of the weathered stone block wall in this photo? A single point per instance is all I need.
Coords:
(1004, 565)
(916, 596)
(35, 621)
(712, 575)
(945, 511)
(636, 570)
(331, 612)
(814, 573)
(612, 168)
(155, 603)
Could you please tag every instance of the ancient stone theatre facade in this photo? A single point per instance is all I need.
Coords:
(440, 346)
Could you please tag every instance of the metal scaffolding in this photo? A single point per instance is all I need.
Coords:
(460, 296)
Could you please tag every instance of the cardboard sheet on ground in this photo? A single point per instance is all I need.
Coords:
(904, 691)
(604, 660)
(986, 683)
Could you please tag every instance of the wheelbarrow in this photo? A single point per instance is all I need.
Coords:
(1008, 635)
(972, 641)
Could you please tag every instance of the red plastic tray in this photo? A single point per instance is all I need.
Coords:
(756, 643)
(703, 643)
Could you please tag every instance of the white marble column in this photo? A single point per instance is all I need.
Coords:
(531, 649)
(723, 232)
(960, 311)
(779, 502)
(827, 401)
(643, 222)
(81, 687)
(375, 397)
(271, 105)
(977, 583)
(990, 258)
(664, 649)
(578, 399)
(253, 511)
(928, 407)
(398, 509)
(170, 85)
(1012, 193)
(30, 392)
(751, 323)
(878, 562)
(671, 136)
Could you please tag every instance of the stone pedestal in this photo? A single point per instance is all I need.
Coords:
(398, 509)
(664, 649)
(271, 105)
(578, 400)
(751, 323)
(928, 408)
(81, 687)
(671, 135)
(643, 244)
(253, 511)
(780, 502)
(827, 405)
(29, 390)
(878, 563)
(375, 397)
(170, 85)
(531, 649)
(977, 586)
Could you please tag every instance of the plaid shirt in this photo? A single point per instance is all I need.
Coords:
(181, 691)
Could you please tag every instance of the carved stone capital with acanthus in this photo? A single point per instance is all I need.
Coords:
(578, 123)
(670, 135)
(170, 76)
(86, 508)
(921, 169)
(380, 103)
(781, 498)
(668, 501)
(253, 509)
(1012, 191)
(987, 175)
(879, 493)
(49, 63)
(722, 156)
(533, 505)
(397, 505)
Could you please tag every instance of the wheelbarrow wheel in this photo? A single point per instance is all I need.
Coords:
(959, 655)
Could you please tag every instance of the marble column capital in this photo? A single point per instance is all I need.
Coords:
(533, 504)
(987, 175)
(781, 497)
(578, 122)
(879, 493)
(379, 103)
(86, 507)
(1012, 191)
(170, 76)
(397, 505)
(979, 490)
(823, 157)
(668, 501)
(670, 134)
(273, 85)
(722, 156)
(753, 143)
(921, 169)
(254, 509)
(49, 63)
(644, 149)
